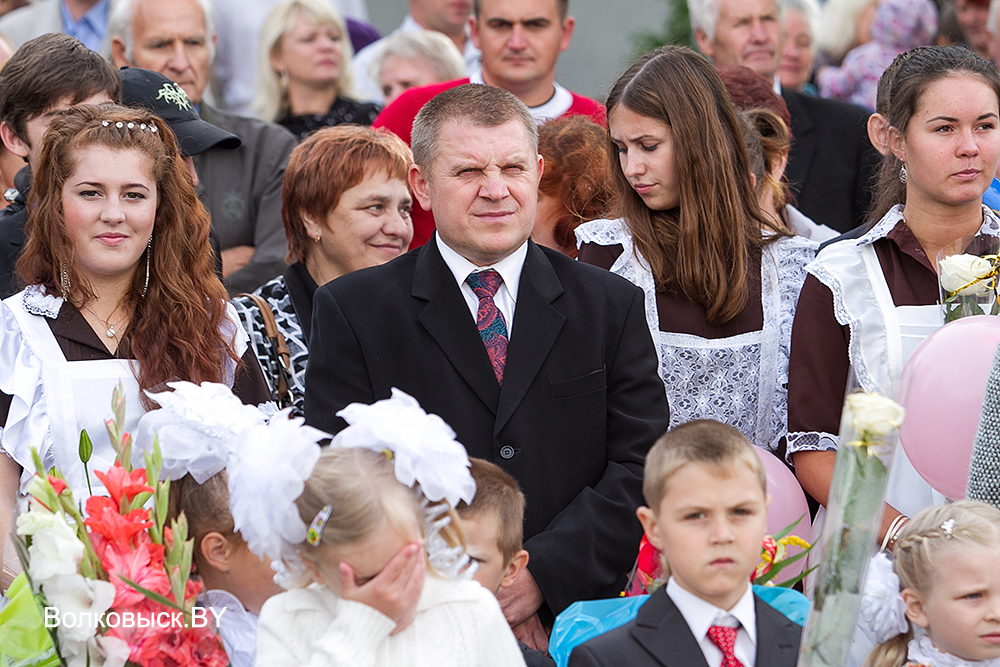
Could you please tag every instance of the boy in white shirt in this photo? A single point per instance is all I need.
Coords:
(705, 489)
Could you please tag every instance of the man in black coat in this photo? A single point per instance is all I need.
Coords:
(831, 161)
(540, 364)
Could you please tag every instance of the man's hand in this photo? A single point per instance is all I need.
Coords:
(235, 258)
(520, 602)
(532, 633)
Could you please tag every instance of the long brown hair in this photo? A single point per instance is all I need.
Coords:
(175, 331)
(702, 247)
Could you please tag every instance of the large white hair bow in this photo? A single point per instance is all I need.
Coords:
(423, 446)
(882, 607)
(198, 426)
(204, 428)
(267, 473)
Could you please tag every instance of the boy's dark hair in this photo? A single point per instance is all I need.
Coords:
(49, 69)
(497, 495)
(206, 507)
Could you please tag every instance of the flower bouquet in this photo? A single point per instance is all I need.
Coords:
(111, 588)
(967, 274)
(647, 574)
(774, 558)
(869, 429)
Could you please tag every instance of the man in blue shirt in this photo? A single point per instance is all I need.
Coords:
(87, 20)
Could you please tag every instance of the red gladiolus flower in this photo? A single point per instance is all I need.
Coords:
(143, 566)
(103, 519)
(120, 483)
(57, 484)
(195, 647)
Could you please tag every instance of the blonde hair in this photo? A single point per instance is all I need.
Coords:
(975, 523)
(432, 48)
(700, 441)
(271, 98)
(839, 23)
(361, 487)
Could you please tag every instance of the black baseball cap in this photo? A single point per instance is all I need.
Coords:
(152, 90)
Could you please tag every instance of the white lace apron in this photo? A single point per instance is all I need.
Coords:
(739, 380)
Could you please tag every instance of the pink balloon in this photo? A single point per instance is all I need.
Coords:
(942, 389)
(788, 505)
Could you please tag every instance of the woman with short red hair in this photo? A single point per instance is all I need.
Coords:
(345, 203)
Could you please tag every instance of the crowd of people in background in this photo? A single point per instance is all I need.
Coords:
(274, 197)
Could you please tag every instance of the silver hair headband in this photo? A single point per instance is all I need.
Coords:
(130, 125)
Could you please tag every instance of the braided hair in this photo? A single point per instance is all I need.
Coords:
(966, 522)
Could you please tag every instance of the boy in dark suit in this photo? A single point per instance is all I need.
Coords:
(705, 489)
(494, 528)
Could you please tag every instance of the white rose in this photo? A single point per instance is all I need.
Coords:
(957, 271)
(55, 549)
(874, 414)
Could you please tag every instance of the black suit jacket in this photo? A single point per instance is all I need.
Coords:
(660, 637)
(581, 401)
(12, 220)
(832, 162)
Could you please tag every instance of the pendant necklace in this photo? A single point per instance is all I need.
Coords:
(110, 331)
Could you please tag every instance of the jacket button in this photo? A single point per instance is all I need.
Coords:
(507, 452)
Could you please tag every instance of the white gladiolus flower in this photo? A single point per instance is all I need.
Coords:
(84, 599)
(55, 549)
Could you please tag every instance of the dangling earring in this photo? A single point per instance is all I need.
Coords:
(902, 174)
(149, 259)
(64, 280)
(283, 81)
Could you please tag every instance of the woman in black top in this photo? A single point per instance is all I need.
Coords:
(304, 78)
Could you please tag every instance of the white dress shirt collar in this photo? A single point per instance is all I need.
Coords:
(509, 269)
(701, 615)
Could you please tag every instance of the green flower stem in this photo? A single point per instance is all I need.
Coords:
(855, 506)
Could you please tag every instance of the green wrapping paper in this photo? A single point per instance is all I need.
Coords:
(24, 641)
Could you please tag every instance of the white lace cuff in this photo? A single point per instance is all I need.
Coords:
(810, 441)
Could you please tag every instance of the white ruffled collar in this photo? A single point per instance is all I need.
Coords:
(37, 302)
(237, 626)
(991, 224)
(922, 651)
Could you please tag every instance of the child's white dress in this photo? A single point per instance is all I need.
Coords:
(458, 624)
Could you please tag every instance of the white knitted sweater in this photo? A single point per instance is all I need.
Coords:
(458, 624)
